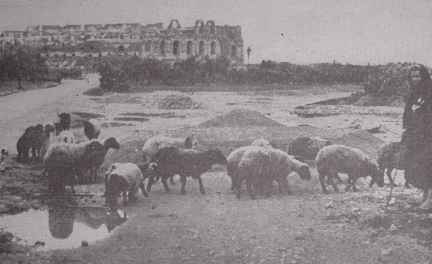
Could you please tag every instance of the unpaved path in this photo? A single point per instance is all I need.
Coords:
(37, 106)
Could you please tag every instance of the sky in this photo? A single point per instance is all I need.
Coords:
(302, 31)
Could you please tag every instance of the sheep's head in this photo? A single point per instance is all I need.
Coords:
(216, 156)
(111, 143)
(304, 172)
(190, 142)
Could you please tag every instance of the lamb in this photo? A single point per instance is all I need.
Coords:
(185, 162)
(306, 148)
(26, 142)
(63, 161)
(123, 179)
(92, 129)
(352, 161)
(154, 144)
(390, 156)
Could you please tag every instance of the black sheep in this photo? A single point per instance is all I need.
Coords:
(185, 162)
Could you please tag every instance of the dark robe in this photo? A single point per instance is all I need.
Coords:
(417, 137)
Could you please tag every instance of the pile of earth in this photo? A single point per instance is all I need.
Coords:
(177, 101)
(240, 118)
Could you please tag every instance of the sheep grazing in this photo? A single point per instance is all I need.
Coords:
(63, 161)
(154, 144)
(306, 148)
(123, 179)
(66, 136)
(25, 143)
(93, 164)
(92, 129)
(390, 156)
(185, 162)
(261, 166)
(251, 168)
(339, 158)
(280, 166)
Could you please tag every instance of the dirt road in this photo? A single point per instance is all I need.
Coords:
(37, 106)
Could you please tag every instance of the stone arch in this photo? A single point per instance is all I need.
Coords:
(199, 26)
(233, 51)
(176, 47)
(189, 48)
(174, 22)
(211, 26)
(201, 48)
(213, 48)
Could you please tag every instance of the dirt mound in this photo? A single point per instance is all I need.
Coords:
(177, 101)
(240, 118)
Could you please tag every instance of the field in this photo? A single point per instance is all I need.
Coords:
(305, 227)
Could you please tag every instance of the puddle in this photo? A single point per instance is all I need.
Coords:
(62, 227)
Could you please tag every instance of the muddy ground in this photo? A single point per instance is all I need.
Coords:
(305, 227)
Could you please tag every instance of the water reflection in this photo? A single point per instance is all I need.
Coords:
(61, 226)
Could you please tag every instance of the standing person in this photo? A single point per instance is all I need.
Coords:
(417, 136)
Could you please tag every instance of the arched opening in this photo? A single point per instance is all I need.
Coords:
(213, 48)
(176, 47)
(201, 47)
(162, 47)
(189, 48)
(147, 46)
(233, 51)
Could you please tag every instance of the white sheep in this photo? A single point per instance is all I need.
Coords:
(333, 159)
(280, 166)
(251, 168)
(66, 136)
(64, 161)
(234, 158)
(155, 143)
(123, 179)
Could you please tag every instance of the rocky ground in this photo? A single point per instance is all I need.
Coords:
(305, 227)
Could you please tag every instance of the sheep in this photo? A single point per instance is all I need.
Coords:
(92, 129)
(261, 166)
(234, 158)
(123, 179)
(65, 121)
(27, 142)
(154, 144)
(281, 165)
(63, 161)
(390, 156)
(36, 141)
(251, 167)
(66, 136)
(92, 165)
(185, 162)
(306, 148)
(339, 158)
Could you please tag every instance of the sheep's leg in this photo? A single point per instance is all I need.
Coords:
(249, 189)
(333, 175)
(165, 184)
(125, 198)
(322, 182)
(284, 186)
(389, 175)
(143, 191)
(201, 186)
(183, 184)
(132, 193)
(172, 182)
(150, 183)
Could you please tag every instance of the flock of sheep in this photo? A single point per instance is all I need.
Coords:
(67, 162)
